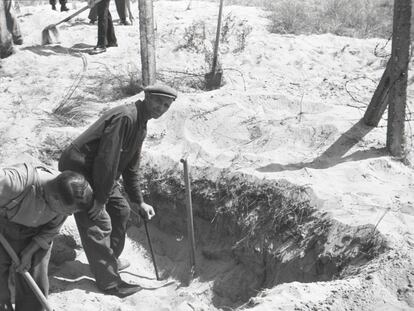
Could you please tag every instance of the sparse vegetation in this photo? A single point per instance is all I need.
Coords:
(74, 111)
(132, 85)
(182, 81)
(194, 37)
(355, 18)
(233, 39)
(234, 32)
(52, 146)
(258, 3)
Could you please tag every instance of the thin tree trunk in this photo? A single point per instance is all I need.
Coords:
(147, 39)
(398, 94)
(379, 100)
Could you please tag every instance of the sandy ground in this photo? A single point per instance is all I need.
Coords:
(290, 109)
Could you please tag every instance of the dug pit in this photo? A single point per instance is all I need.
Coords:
(251, 234)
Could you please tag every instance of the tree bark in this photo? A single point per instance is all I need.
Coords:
(398, 93)
(379, 100)
(147, 39)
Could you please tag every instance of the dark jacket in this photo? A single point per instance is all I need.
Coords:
(112, 147)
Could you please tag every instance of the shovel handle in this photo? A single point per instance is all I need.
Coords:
(26, 275)
(190, 217)
(151, 250)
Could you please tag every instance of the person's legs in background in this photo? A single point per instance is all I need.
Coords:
(121, 9)
(63, 6)
(93, 15)
(6, 40)
(111, 40)
(103, 20)
(53, 4)
(12, 23)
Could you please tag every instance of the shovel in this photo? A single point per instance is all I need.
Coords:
(51, 35)
(26, 275)
(213, 79)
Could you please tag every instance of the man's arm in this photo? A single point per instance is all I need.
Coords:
(26, 256)
(106, 162)
(133, 188)
(48, 231)
(42, 240)
(131, 179)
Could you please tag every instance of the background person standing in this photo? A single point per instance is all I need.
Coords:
(63, 6)
(106, 31)
(121, 9)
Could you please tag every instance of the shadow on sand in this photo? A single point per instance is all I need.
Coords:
(335, 153)
(48, 50)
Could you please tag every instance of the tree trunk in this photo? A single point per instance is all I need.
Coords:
(398, 93)
(147, 39)
(379, 101)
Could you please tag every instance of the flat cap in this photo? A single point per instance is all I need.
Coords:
(161, 90)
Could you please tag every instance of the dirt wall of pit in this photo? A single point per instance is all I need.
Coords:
(271, 230)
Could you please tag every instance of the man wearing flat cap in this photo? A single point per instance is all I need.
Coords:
(108, 149)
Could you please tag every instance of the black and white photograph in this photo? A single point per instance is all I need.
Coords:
(206, 155)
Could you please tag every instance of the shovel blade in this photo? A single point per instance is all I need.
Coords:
(50, 35)
(213, 79)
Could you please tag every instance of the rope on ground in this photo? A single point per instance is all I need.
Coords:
(158, 287)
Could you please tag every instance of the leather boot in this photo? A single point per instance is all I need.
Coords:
(123, 289)
(97, 50)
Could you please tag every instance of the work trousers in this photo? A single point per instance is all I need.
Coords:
(62, 2)
(93, 13)
(120, 8)
(19, 237)
(106, 31)
(11, 21)
(103, 239)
